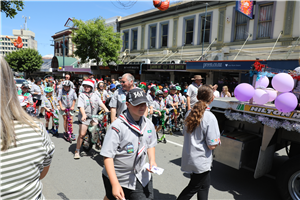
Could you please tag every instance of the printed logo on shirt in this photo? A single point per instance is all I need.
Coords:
(115, 129)
(215, 140)
(129, 148)
(123, 98)
(149, 131)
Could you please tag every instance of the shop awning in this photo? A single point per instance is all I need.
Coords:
(57, 61)
(244, 65)
(75, 70)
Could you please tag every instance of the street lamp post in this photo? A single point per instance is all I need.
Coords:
(204, 29)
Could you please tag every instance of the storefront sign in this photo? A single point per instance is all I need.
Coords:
(129, 67)
(245, 7)
(171, 67)
(267, 111)
(240, 64)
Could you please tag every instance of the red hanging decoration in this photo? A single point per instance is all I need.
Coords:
(161, 5)
(17, 42)
(258, 67)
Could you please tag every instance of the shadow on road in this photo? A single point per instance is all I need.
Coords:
(161, 196)
(241, 183)
(176, 161)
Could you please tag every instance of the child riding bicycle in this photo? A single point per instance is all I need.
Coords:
(88, 104)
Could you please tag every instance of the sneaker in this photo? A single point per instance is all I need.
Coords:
(76, 155)
(55, 132)
(41, 115)
(73, 137)
(48, 131)
(52, 130)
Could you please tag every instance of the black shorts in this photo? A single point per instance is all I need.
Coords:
(156, 121)
(140, 192)
(39, 103)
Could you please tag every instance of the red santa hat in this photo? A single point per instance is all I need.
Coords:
(89, 82)
(145, 84)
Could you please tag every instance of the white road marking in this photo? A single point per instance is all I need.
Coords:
(174, 143)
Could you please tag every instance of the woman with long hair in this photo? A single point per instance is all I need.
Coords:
(201, 136)
(225, 92)
(26, 148)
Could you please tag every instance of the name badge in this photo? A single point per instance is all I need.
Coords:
(129, 148)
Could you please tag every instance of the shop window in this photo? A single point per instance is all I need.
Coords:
(189, 31)
(265, 21)
(152, 36)
(164, 36)
(206, 29)
(134, 39)
(126, 40)
(241, 26)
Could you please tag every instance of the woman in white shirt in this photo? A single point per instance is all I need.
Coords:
(225, 92)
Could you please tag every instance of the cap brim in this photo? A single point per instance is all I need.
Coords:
(139, 101)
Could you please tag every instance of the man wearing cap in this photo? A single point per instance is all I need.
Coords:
(118, 100)
(129, 139)
(192, 91)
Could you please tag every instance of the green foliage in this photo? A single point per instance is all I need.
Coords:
(25, 60)
(10, 7)
(95, 40)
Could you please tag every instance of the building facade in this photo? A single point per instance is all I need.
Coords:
(28, 38)
(187, 32)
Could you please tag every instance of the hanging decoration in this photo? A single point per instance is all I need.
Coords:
(161, 5)
(17, 42)
(274, 123)
(70, 129)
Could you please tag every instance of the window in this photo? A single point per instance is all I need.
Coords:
(265, 21)
(206, 29)
(152, 36)
(189, 31)
(164, 37)
(241, 25)
(134, 39)
(126, 39)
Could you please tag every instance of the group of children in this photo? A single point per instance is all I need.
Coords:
(161, 100)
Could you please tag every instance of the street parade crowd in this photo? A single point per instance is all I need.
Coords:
(134, 110)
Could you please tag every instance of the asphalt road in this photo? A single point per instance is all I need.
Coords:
(82, 179)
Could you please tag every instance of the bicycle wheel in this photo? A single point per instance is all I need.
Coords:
(87, 142)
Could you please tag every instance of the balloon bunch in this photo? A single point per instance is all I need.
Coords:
(70, 128)
(283, 84)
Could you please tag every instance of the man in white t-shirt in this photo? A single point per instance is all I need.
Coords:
(192, 91)
(216, 92)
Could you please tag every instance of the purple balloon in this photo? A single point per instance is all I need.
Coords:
(286, 102)
(244, 92)
(272, 94)
(263, 82)
(261, 97)
(283, 82)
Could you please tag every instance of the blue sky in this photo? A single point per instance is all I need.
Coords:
(49, 17)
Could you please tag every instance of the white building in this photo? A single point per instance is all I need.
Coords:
(28, 38)
(176, 35)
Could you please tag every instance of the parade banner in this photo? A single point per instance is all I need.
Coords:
(267, 111)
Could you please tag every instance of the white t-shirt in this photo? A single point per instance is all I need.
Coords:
(216, 93)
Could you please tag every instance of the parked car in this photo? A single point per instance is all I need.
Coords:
(20, 81)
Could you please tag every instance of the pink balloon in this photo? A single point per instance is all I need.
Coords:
(286, 102)
(244, 92)
(272, 94)
(261, 96)
(283, 82)
(263, 82)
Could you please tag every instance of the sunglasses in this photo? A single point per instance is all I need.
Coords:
(123, 81)
(160, 96)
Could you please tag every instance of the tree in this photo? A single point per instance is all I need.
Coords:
(10, 7)
(24, 60)
(95, 40)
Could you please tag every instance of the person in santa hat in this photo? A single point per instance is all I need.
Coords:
(88, 104)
